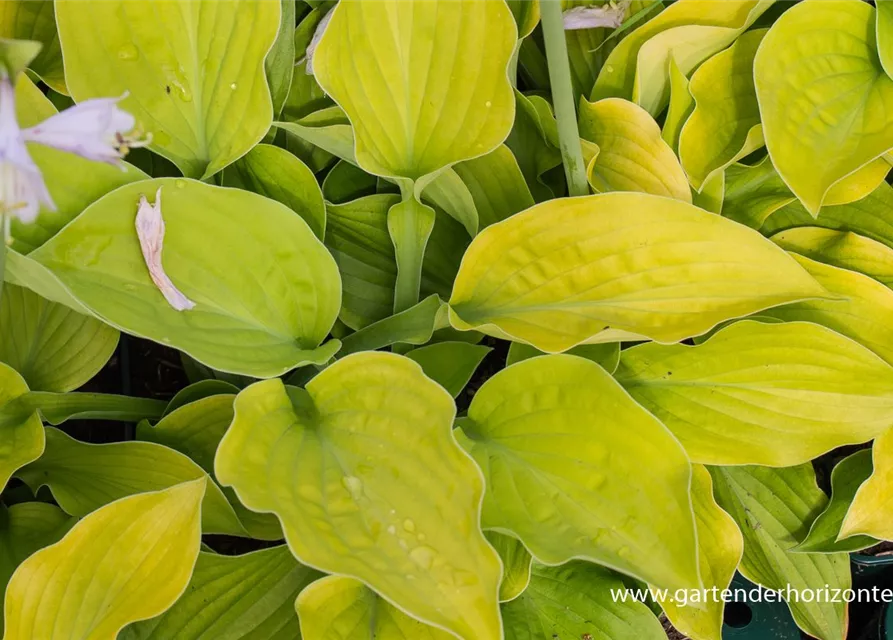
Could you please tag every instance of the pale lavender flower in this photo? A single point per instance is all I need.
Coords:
(150, 231)
(22, 189)
(95, 129)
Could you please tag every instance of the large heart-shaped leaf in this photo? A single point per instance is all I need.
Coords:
(364, 474)
(341, 608)
(610, 266)
(720, 546)
(52, 347)
(21, 435)
(266, 290)
(36, 20)
(193, 71)
(681, 105)
(773, 508)
(127, 561)
(862, 309)
(73, 182)
(393, 67)
(822, 95)
(846, 478)
(632, 155)
(576, 469)
(83, 477)
(516, 564)
(234, 598)
(725, 123)
(575, 601)
(756, 393)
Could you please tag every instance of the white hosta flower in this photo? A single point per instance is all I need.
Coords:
(22, 189)
(95, 129)
(150, 231)
(610, 15)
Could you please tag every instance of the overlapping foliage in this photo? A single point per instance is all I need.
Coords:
(365, 200)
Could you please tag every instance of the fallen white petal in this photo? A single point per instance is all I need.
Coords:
(608, 15)
(317, 36)
(150, 231)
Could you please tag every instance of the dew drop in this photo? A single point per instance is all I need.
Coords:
(128, 52)
(180, 184)
(353, 485)
(392, 530)
(233, 86)
(488, 103)
(423, 556)
(609, 68)
(408, 525)
(403, 544)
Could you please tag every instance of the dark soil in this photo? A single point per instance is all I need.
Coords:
(672, 632)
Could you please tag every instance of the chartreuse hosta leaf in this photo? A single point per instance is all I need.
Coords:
(21, 436)
(495, 183)
(632, 156)
(689, 31)
(534, 142)
(862, 309)
(342, 608)
(720, 546)
(129, 560)
(681, 105)
(574, 601)
(610, 266)
(52, 347)
(36, 20)
(846, 478)
(234, 598)
(195, 429)
(754, 192)
(774, 508)
(83, 477)
(25, 528)
(204, 107)
(73, 182)
(576, 469)
(757, 393)
(871, 216)
(416, 325)
(884, 26)
(725, 123)
(869, 513)
(266, 290)
(363, 471)
(606, 354)
(843, 249)
(391, 65)
(277, 174)
(822, 92)
(450, 364)
(516, 564)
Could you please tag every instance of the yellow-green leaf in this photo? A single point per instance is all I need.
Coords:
(632, 156)
(757, 393)
(25, 528)
(843, 249)
(754, 192)
(21, 436)
(193, 71)
(574, 601)
(846, 478)
(363, 471)
(822, 94)
(516, 564)
(690, 31)
(36, 20)
(450, 364)
(720, 546)
(394, 67)
(681, 105)
(862, 309)
(52, 347)
(83, 477)
(195, 430)
(869, 513)
(858, 184)
(341, 608)
(606, 355)
(247, 597)
(266, 290)
(576, 469)
(884, 27)
(725, 124)
(773, 508)
(609, 266)
(127, 561)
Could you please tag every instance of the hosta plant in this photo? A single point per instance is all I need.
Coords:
(428, 319)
